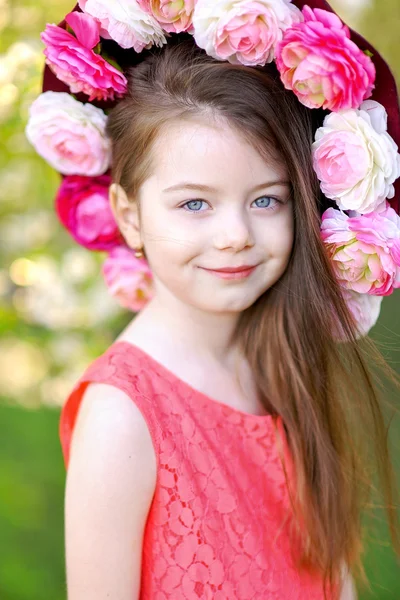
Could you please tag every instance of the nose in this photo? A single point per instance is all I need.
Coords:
(233, 230)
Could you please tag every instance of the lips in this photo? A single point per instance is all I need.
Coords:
(233, 269)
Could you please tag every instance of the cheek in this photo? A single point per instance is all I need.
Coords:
(163, 237)
(168, 252)
(174, 238)
(286, 241)
(279, 236)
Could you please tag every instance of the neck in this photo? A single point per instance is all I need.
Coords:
(189, 327)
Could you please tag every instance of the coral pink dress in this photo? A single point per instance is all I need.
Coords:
(214, 529)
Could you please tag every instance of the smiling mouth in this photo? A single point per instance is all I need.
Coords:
(236, 274)
(233, 269)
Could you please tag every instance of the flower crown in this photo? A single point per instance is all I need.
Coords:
(326, 64)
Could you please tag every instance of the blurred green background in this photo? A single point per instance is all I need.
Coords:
(56, 316)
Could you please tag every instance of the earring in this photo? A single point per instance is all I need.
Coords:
(138, 253)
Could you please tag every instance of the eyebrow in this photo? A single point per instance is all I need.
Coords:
(206, 188)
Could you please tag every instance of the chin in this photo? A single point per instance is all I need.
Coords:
(232, 306)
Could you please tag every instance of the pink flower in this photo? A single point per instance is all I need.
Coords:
(323, 67)
(74, 62)
(245, 31)
(125, 22)
(365, 309)
(83, 207)
(129, 279)
(364, 249)
(355, 158)
(174, 16)
(68, 134)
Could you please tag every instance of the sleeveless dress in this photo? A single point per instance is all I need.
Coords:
(215, 529)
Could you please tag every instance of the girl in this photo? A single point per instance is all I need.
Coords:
(220, 447)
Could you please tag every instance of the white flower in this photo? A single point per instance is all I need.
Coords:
(355, 159)
(125, 22)
(243, 31)
(68, 134)
(377, 114)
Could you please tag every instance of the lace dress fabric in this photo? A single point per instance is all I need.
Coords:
(215, 527)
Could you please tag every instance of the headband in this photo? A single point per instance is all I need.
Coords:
(322, 61)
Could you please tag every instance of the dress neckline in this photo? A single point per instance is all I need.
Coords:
(129, 346)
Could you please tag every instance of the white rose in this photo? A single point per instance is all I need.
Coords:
(377, 114)
(243, 31)
(68, 134)
(125, 22)
(356, 163)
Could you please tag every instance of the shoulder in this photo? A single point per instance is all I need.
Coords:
(111, 433)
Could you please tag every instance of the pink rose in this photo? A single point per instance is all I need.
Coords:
(320, 63)
(129, 279)
(365, 309)
(173, 16)
(74, 62)
(68, 134)
(355, 158)
(125, 22)
(245, 32)
(83, 207)
(365, 249)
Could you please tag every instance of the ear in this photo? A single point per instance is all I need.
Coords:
(126, 215)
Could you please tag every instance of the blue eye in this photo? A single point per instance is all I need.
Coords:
(195, 205)
(267, 205)
(195, 202)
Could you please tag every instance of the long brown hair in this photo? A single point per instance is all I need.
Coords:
(323, 390)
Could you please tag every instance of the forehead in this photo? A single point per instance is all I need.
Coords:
(200, 150)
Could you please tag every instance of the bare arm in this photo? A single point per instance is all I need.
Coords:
(109, 489)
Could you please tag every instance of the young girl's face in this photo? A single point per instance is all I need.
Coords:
(213, 202)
